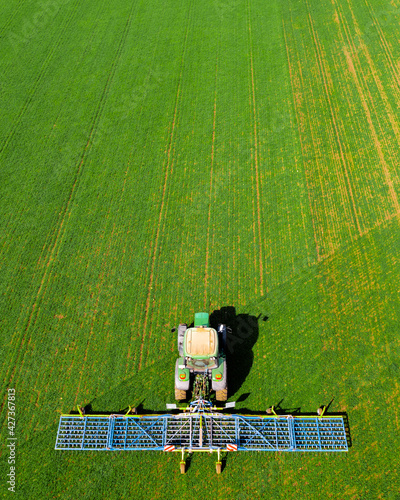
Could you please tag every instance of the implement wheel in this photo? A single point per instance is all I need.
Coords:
(183, 467)
(218, 467)
(221, 395)
(180, 395)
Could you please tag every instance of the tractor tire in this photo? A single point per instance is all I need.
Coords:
(218, 467)
(222, 330)
(180, 395)
(181, 335)
(183, 467)
(221, 395)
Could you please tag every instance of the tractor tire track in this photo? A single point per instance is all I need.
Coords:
(42, 259)
(42, 72)
(374, 134)
(210, 188)
(95, 122)
(168, 171)
(16, 351)
(297, 101)
(11, 17)
(367, 102)
(33, 316)
(385, 45)
(323, 71)
(256, 155)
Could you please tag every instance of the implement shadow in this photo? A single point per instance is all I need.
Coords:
(138, 410)
(242, 334)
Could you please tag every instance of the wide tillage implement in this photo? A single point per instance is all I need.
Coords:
(202, 428)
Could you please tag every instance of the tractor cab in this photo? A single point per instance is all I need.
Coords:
(202, 358)
(201, 348)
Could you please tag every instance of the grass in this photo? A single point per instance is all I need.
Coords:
(159, 159)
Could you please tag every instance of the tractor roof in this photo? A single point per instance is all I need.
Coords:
(200, 342)
(201, 319)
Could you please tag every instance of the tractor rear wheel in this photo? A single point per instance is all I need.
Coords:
(221, 395)
(181, 336)
(180, 395)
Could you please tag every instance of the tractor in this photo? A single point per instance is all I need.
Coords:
(201, 365)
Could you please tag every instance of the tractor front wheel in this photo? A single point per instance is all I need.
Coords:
(180, 395)
(221, 395)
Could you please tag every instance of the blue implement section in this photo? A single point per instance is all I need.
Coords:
(202, 432)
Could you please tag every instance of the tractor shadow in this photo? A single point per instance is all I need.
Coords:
(242, 334)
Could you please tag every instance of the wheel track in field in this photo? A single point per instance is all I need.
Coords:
(53, 253)
(257, 175)
(39, 78)
(135, 361)
(211, 186)
(305, 130)
(99, 287)
(168, 171)
(296, 91)
(46, 249)
(13, 130)
(319, 173)
(63, 213)
(323, 72)
(51, 234)
(329, 238)
(11, 17)
(385, 45)
(44, 254)
(365, 97)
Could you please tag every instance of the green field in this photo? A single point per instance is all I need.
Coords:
(161, 158)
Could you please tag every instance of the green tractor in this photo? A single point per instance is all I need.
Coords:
(202, 360)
